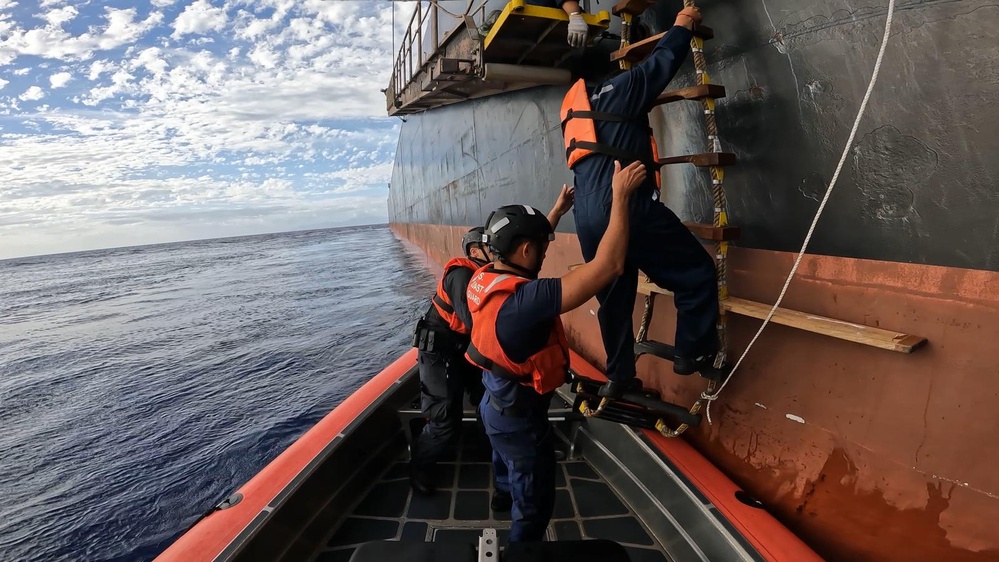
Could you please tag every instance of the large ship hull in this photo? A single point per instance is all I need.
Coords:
(867, 454)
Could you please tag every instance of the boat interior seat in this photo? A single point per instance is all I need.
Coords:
(555, 551)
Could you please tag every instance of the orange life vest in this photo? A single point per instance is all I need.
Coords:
(544, 371)
(442, 301)
(580, 132)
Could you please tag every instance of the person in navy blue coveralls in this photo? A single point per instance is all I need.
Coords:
(515, 415)
(661, 245)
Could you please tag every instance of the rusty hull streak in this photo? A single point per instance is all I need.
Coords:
(882, 468)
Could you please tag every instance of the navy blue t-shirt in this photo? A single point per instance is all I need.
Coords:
(523, 326)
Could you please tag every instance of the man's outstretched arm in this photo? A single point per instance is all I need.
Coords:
(634, 91)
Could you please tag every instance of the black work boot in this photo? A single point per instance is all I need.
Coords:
(421, 481)
(616, 389)
(684, 366)
(501, 501)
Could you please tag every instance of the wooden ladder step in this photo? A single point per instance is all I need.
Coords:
(633, 7)
(704, 91)
(703, 160)
(637, 52)
(712, 232)
(632, 406)
(857, 333)
(659, 349)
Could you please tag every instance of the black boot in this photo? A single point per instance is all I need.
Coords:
(615, 389)
(684, 366)
(421, 481)
(501, 501)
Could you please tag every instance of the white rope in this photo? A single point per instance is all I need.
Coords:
(808, 237)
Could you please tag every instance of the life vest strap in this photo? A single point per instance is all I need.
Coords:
(488, 364)
(594, 115)
(444, 306)
(612, 151)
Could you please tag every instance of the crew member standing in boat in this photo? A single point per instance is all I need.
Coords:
(609, 121)
(518, 339)
(441, 337)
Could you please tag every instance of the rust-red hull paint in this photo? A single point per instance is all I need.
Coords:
(896, 456)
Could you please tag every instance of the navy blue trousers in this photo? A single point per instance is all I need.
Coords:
(524, 464)
(662, 247)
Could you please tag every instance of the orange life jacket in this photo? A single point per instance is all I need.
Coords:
(580, 132)
(544, 371)
(442, 301)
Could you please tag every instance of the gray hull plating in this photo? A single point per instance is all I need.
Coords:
(920, 184)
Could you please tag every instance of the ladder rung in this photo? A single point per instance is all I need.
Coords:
(704, 91)
(704, 32)
(857, 333)
(712, 232)
(657, 348)
(638, 51)
(633, 7)
(633, 404)
(703, 160)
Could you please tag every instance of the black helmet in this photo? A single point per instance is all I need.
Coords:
(472, 238)
(507, 226)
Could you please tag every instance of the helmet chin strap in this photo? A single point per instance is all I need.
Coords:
(531, 273)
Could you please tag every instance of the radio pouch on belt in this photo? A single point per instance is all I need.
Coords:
(423, 336)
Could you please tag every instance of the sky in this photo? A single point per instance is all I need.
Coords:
(133, 122)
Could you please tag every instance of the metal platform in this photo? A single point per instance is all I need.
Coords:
(535, 35)
(525, 46)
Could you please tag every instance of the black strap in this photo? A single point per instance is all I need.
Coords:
(594, 115)
(487, 364)
(444, 306)
(614, 152)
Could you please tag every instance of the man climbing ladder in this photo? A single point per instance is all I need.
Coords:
(609, 121)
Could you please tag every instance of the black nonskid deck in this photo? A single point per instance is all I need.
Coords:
(586, 506)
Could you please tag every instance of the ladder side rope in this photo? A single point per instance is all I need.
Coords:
(711, 397)
(717, 174)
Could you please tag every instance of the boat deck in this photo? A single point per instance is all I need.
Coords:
(586, 506)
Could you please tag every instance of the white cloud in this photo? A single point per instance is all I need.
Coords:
(199, 17)
(59, 16)
(22, 72)
(97, 68)
(172, 139)
(3, 83)
(54, 42)
(60, 79)
(32, 93)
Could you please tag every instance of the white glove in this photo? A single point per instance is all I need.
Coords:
(577, 30)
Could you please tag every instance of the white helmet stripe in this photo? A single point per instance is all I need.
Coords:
(499, 225)
(529, 209)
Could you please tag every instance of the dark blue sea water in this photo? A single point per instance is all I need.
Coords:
(139, 386)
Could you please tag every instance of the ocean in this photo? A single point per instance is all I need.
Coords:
(140, 386)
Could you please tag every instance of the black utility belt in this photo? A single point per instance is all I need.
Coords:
(427, 337)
